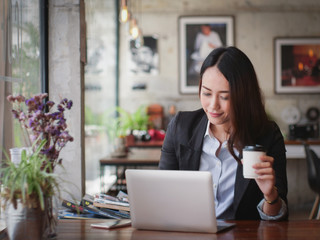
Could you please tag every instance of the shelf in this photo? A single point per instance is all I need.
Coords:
(146, 144)
(301, 141)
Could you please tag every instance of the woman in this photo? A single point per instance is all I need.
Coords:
(212, 139)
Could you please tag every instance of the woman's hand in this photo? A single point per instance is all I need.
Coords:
(266, 180)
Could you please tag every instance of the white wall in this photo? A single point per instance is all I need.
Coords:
(257, 23)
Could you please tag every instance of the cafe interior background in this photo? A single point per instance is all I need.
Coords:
(88, 59)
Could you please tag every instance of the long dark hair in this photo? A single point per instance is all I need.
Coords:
(247, 112)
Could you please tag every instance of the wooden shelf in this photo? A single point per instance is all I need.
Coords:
(300, 142)
(146, 144)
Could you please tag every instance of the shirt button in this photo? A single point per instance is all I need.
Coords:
(214, 185)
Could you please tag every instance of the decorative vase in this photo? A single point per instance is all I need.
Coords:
(31, 223)
(51, 218)
(24, 223)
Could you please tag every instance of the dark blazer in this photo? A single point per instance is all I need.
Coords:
(182, 150)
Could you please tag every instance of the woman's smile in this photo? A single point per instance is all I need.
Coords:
(215, 115)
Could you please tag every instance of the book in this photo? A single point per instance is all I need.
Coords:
(111, 206)
(72, 206)
(87, 200)
(70, 214)
(94, 210)
(117, 203)
(112, 224)
(90, 209)
(111, 200)
(123, 214)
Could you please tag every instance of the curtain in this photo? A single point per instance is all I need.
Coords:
(6, 127)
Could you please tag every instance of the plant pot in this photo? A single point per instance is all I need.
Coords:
(24, 223)
(31, 223)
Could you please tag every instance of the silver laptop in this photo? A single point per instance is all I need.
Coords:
(172, 201)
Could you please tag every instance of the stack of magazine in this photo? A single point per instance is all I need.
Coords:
(97, 206)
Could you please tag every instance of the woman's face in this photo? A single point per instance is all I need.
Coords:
(215, 96)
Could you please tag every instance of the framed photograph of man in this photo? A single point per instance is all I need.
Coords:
(297, 65)
(144, 58)
(198, 36)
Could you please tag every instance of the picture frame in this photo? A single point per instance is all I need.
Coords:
(144, 56)
(297, 65)
(198, 36)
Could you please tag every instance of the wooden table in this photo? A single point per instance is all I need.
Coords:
(293, 230)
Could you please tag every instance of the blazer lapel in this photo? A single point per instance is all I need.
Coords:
(240, 187)
(192, 152)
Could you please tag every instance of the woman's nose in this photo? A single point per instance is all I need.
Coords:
(214, 103)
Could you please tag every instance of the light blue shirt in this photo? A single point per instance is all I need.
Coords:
(223, 168)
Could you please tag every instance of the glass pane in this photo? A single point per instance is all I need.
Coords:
(100, 85)
(25, 53)
(22, 42)
(25, 49)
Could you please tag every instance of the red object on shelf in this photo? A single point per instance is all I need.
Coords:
(156, 134)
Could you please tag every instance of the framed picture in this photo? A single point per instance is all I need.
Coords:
(297, 65)
(144, 57)
(198, 36)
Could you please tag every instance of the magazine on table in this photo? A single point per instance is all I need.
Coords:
(120, 200)
(86, 206)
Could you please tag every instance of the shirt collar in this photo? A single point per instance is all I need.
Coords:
(210, 134)
(208, 131)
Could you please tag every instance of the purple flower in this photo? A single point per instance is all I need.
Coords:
(40, 124)
(22, 116)
(15, 114)
(18, 99)
(50, 104)
(60, 108)
(69, 104)
(32, 123)
(40, 107)
(43, 96)
(10, 98)
(30, 102)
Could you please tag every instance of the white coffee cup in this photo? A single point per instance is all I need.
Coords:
(250, 156)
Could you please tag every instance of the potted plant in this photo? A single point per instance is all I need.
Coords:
(27, 188)
(124, 128)
(31, 184)
(137, 123)
(117, 130)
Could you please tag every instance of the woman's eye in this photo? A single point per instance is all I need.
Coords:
(224, 97)
(206, 94)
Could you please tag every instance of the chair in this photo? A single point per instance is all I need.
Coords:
(313, 167)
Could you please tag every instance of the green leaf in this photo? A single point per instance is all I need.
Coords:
(40, 194)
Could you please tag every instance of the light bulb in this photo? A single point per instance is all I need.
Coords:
(135, 32)
(124, 14)
(134, 29)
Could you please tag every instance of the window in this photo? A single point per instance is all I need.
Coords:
(20, 61)
(100, 85)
